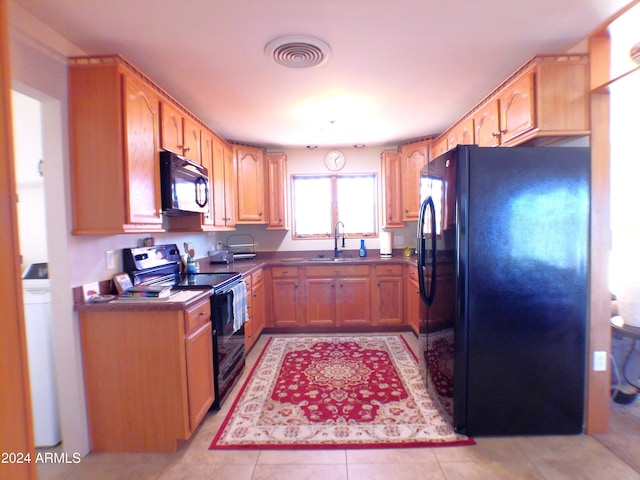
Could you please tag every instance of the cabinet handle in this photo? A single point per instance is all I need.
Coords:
(203, 313)
(186, 149)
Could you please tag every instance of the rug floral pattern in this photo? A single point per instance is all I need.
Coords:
(335, 392)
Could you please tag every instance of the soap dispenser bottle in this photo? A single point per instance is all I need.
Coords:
(363, 250)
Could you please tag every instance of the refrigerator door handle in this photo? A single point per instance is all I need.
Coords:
(422, 251)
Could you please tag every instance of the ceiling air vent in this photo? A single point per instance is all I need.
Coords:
(297, 51)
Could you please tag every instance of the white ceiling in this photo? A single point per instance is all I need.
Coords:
(399, 69)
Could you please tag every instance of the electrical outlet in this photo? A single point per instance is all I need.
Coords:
(398, 240)
(109, 259)
(599, 361)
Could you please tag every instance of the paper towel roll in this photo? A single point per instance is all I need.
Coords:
(386, 241)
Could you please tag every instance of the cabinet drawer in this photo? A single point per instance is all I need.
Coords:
(330, 271)
(284, 272)
(392, 270)
(257, 277)
(197, 315)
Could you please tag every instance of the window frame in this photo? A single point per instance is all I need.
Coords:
(333, 177)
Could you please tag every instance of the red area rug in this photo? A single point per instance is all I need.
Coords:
(335, 392)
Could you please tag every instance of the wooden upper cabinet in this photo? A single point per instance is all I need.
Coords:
(277, 191)
(414, 157)
(230, 185)
(141, 107)
(180, 134)
(517, 108)
(114, 141)
(486, 125)
(192, 142)
(221, 215)
(391, 189)
(461, 134)
(250, 185)
(171, 138)
(440, 146)
(545, 100)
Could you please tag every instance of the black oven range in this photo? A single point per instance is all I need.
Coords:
(160, 265)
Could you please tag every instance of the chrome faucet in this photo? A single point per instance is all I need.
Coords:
(336, 232)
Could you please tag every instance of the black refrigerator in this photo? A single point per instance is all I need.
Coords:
(503, 252)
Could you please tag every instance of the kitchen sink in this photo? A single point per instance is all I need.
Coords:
(327, 259)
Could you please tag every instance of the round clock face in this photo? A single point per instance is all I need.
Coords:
(334, 160)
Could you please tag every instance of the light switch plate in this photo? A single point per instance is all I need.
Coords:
(599, 361)
(109, 259)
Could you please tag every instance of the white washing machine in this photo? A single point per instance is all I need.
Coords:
(39, 331)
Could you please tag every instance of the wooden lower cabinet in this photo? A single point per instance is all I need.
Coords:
(256, 306)
(412, 298)
(388, 307)
(148, 376)
(337, 295)
(286, 310)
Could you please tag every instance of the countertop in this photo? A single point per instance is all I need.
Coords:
(179, 300)
(185, 298)
(302, 258)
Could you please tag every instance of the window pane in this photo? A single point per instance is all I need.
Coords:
(312, 205)
(356, 204)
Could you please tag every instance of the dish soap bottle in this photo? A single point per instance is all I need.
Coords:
(363, 250)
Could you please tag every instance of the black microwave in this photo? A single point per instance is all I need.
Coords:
(184, 185)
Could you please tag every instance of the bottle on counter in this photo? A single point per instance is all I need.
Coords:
(191, 265)
(363, 250)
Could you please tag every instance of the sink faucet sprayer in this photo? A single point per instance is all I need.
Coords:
(336, 232)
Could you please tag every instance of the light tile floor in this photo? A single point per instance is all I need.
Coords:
(612, 456)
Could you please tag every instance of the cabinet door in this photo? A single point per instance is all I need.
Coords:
(277, 167)
(486, 127)
(258, 304)
(412, 305)
(414, 157)
(462, 134)
(517, 108)
(207, 162)
(389, 301)
(192, 143)
(391, 189)
(285, 304)
(199, 354)
(353, 301)
(141, 109)
(251, 181)
(320, 302)
(171, 129)
(440, 146)
(230, 185)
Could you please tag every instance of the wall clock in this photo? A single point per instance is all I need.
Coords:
(334, 160)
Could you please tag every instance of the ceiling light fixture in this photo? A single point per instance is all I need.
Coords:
(298, 51)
